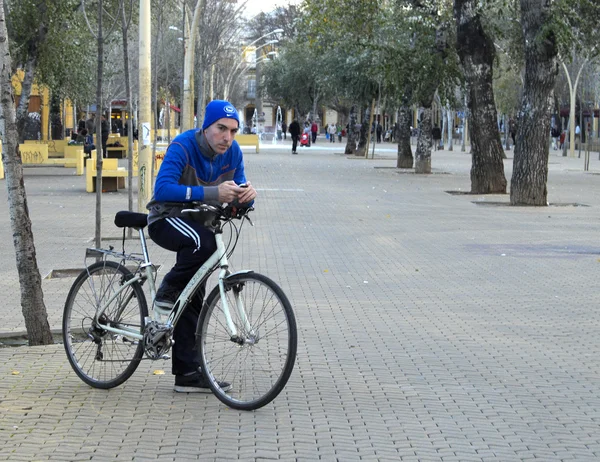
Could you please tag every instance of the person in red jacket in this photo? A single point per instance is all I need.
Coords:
(314, 129)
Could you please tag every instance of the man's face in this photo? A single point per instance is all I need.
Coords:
(220, 134)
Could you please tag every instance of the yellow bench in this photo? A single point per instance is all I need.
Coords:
(247, 140)
(54, 146)
(34, 152)
(113, 176)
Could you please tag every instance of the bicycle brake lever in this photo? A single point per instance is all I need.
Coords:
(249, 220)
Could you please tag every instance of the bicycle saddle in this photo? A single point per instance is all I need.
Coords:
(125, 219)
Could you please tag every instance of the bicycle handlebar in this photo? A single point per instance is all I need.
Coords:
(227, 212)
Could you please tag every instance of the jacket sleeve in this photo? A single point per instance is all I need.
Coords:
(167, 187)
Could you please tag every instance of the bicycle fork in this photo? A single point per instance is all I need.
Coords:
(250, 336)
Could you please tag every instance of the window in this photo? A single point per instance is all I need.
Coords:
(251, 89)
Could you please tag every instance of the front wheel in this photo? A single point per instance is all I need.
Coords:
(101, 358)
(255, 364)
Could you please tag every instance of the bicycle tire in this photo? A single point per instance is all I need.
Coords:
(225, 360)
(102, 359)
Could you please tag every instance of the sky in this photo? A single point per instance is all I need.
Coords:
(253, 7)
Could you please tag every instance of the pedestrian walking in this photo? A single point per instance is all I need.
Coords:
(294, 129)
(436, 134)
(555, 132)
(284, 129)
(512, 128)
(314, 129)
(332, 132)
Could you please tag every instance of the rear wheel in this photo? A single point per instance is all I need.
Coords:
(257, 363)
(100, 358)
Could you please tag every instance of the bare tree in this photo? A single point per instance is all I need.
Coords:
(101, 36)
(32, 297)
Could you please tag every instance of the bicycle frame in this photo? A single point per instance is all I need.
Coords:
(219, 257)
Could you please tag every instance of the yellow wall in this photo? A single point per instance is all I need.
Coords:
(36, 90)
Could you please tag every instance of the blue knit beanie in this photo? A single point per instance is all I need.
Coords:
(219, 109)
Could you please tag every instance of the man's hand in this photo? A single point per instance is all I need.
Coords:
(228, 191)
(248, 193)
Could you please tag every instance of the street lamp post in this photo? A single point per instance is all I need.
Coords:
(259, 107)
(144, 152)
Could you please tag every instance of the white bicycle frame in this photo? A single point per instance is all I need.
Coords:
(218, 257)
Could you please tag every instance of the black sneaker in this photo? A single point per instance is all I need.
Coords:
(195, 383)
(166, 296)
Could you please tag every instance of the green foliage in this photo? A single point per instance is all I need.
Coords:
(575, 25)
(56, 33)
(349, 24)
(292, 77)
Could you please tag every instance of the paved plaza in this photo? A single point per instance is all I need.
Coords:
(432, 326)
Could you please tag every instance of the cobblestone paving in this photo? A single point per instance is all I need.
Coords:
(431, 328)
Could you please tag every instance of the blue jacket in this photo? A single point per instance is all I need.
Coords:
(187, 174)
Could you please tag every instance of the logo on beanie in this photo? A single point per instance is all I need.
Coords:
(229, 110)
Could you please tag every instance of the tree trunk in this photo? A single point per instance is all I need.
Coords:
(530, 169)
(351, 140)
(477, 53)
(201, 99)
(424, 143)
(463, 135)
(99, 150)
(23, 108)
(405, 156)
(32, 297)
(188, 79)
(450, 115)
(364, 132)
(444, 129)
(506, 134)
(371, 136)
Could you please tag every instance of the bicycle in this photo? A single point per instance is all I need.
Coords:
(246, 333)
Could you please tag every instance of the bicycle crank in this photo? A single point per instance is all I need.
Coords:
(157, 340)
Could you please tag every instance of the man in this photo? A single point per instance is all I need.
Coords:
(284, 128)
(205, 166)
(436, 135)
(331, 130)
(90, 125)
(555, 133)
(314, 129)
(294, 130)
(512, 129)
(105, 133)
